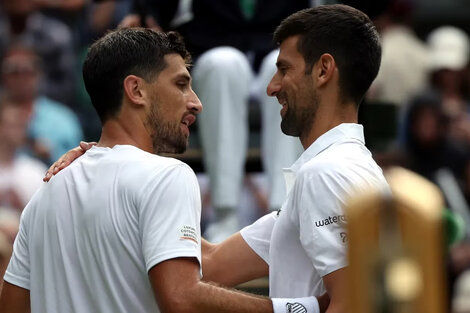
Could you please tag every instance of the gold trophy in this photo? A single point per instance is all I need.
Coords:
(396, 248)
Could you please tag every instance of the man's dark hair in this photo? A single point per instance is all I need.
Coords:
(123, 52)
(345, 33)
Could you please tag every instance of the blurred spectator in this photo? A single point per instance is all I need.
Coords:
(70, 12)
(461, 300)
(20, 21)
(100, 16)
(53, 127)
(9, 224)
(404, 67)
(20, 175)
(450, 49)
(428, 146)
(231, 42)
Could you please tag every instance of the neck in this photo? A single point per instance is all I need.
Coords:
(328, 117)
(125, 129)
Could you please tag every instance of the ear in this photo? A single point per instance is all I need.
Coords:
(324, 69)
(134, 90)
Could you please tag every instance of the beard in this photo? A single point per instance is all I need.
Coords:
(166, 136)
(299, 119)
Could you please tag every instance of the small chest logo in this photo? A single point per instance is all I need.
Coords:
(344, 237)
(338, 219)
(295, 308)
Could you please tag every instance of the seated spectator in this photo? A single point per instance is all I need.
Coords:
(427, 145)
(20, 175)
(404, 68)
(21, 22)
(449, 59)
(54, 128)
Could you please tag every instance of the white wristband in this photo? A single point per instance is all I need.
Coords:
(296, 305)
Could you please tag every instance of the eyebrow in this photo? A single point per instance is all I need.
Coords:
(184, 76)
(280, 63)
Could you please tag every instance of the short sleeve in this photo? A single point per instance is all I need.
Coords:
(318, 211)
(18, 270)
(258, 235)
(169, 216)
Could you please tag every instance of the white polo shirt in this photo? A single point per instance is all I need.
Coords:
(307, 239)
(89, 237)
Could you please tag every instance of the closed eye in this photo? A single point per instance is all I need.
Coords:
(182, 84)
(282, 67)
(282, 70)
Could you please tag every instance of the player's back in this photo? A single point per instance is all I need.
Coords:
(84, 234)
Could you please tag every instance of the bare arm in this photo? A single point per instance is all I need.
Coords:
(335, 284)
(231, 262)
(14, 299)
(177, 288)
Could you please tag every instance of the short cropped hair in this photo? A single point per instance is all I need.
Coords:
(123, 52)
(344, 32)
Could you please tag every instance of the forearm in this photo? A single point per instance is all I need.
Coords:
(231, 262)
(14, 299)
(207, 297)
(335, 284)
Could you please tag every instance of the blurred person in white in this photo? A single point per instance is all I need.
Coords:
(226, 76)
(9, 224)
(461, 298)
(20, 175)
(450, 48)
(21, 21)
(53, 127)
(404, 66)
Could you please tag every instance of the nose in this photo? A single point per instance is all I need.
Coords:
(274, 86)
(194, 104)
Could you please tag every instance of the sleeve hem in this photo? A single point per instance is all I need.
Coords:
(16, 280)
(172, 255)
(332, 268)
(252, 245)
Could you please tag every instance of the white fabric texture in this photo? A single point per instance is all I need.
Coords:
(223, 79)
(307, 239)
(89, 237)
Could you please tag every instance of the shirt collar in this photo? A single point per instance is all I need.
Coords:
(339, 133)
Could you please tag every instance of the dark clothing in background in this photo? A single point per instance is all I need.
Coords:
(222, 23)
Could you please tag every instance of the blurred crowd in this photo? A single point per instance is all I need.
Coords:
(420, 100)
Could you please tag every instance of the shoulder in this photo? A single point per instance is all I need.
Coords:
(146, 167)
(342, 167)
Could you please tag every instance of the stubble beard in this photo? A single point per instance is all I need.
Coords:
(166, 136)
(299, 119)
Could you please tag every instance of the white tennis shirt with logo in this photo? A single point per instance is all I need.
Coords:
(307, 238)
(89, 237)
